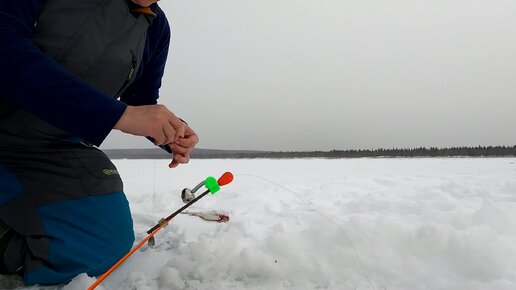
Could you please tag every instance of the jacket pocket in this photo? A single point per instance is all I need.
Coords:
(97, 173)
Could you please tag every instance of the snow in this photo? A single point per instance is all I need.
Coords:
(323, 224)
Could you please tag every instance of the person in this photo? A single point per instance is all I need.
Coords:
(70, 72)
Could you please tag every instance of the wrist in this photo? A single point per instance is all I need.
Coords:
(120, 123)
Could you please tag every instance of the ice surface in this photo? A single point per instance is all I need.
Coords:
(324, 224)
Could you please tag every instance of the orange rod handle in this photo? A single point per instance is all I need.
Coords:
(123, 259)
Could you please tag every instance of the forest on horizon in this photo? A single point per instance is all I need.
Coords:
(479, 151)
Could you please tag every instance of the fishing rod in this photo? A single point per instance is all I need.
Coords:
(213, 185)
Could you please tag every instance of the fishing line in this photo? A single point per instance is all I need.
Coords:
(154, 187)
(339, 227)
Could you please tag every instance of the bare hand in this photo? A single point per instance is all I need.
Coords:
(154, 121)
(183, 147)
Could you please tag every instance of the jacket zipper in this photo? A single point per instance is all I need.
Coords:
(130, 76)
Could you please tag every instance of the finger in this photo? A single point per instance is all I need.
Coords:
(182, 159)
(179, 127)
(170, 134)
(181, 150)
(179, 159)
(173, 164)
(188, 141)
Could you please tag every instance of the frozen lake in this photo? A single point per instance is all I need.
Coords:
(325, 224)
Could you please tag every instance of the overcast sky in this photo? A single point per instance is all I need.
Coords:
(339, 74)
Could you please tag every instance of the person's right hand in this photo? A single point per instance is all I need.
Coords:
(154, 121)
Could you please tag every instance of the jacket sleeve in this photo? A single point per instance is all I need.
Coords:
(145, 89)
(34, 82)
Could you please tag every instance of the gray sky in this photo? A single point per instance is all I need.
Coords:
(338, 74)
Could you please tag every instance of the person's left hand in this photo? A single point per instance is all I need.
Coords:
(183, 147)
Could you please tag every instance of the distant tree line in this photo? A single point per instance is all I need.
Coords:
(480, 151)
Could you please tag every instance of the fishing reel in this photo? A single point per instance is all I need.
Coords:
(187, 195)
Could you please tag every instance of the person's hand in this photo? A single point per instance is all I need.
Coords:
(154, 121)
(183, 147)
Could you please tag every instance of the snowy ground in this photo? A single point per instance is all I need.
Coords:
(324, 224)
